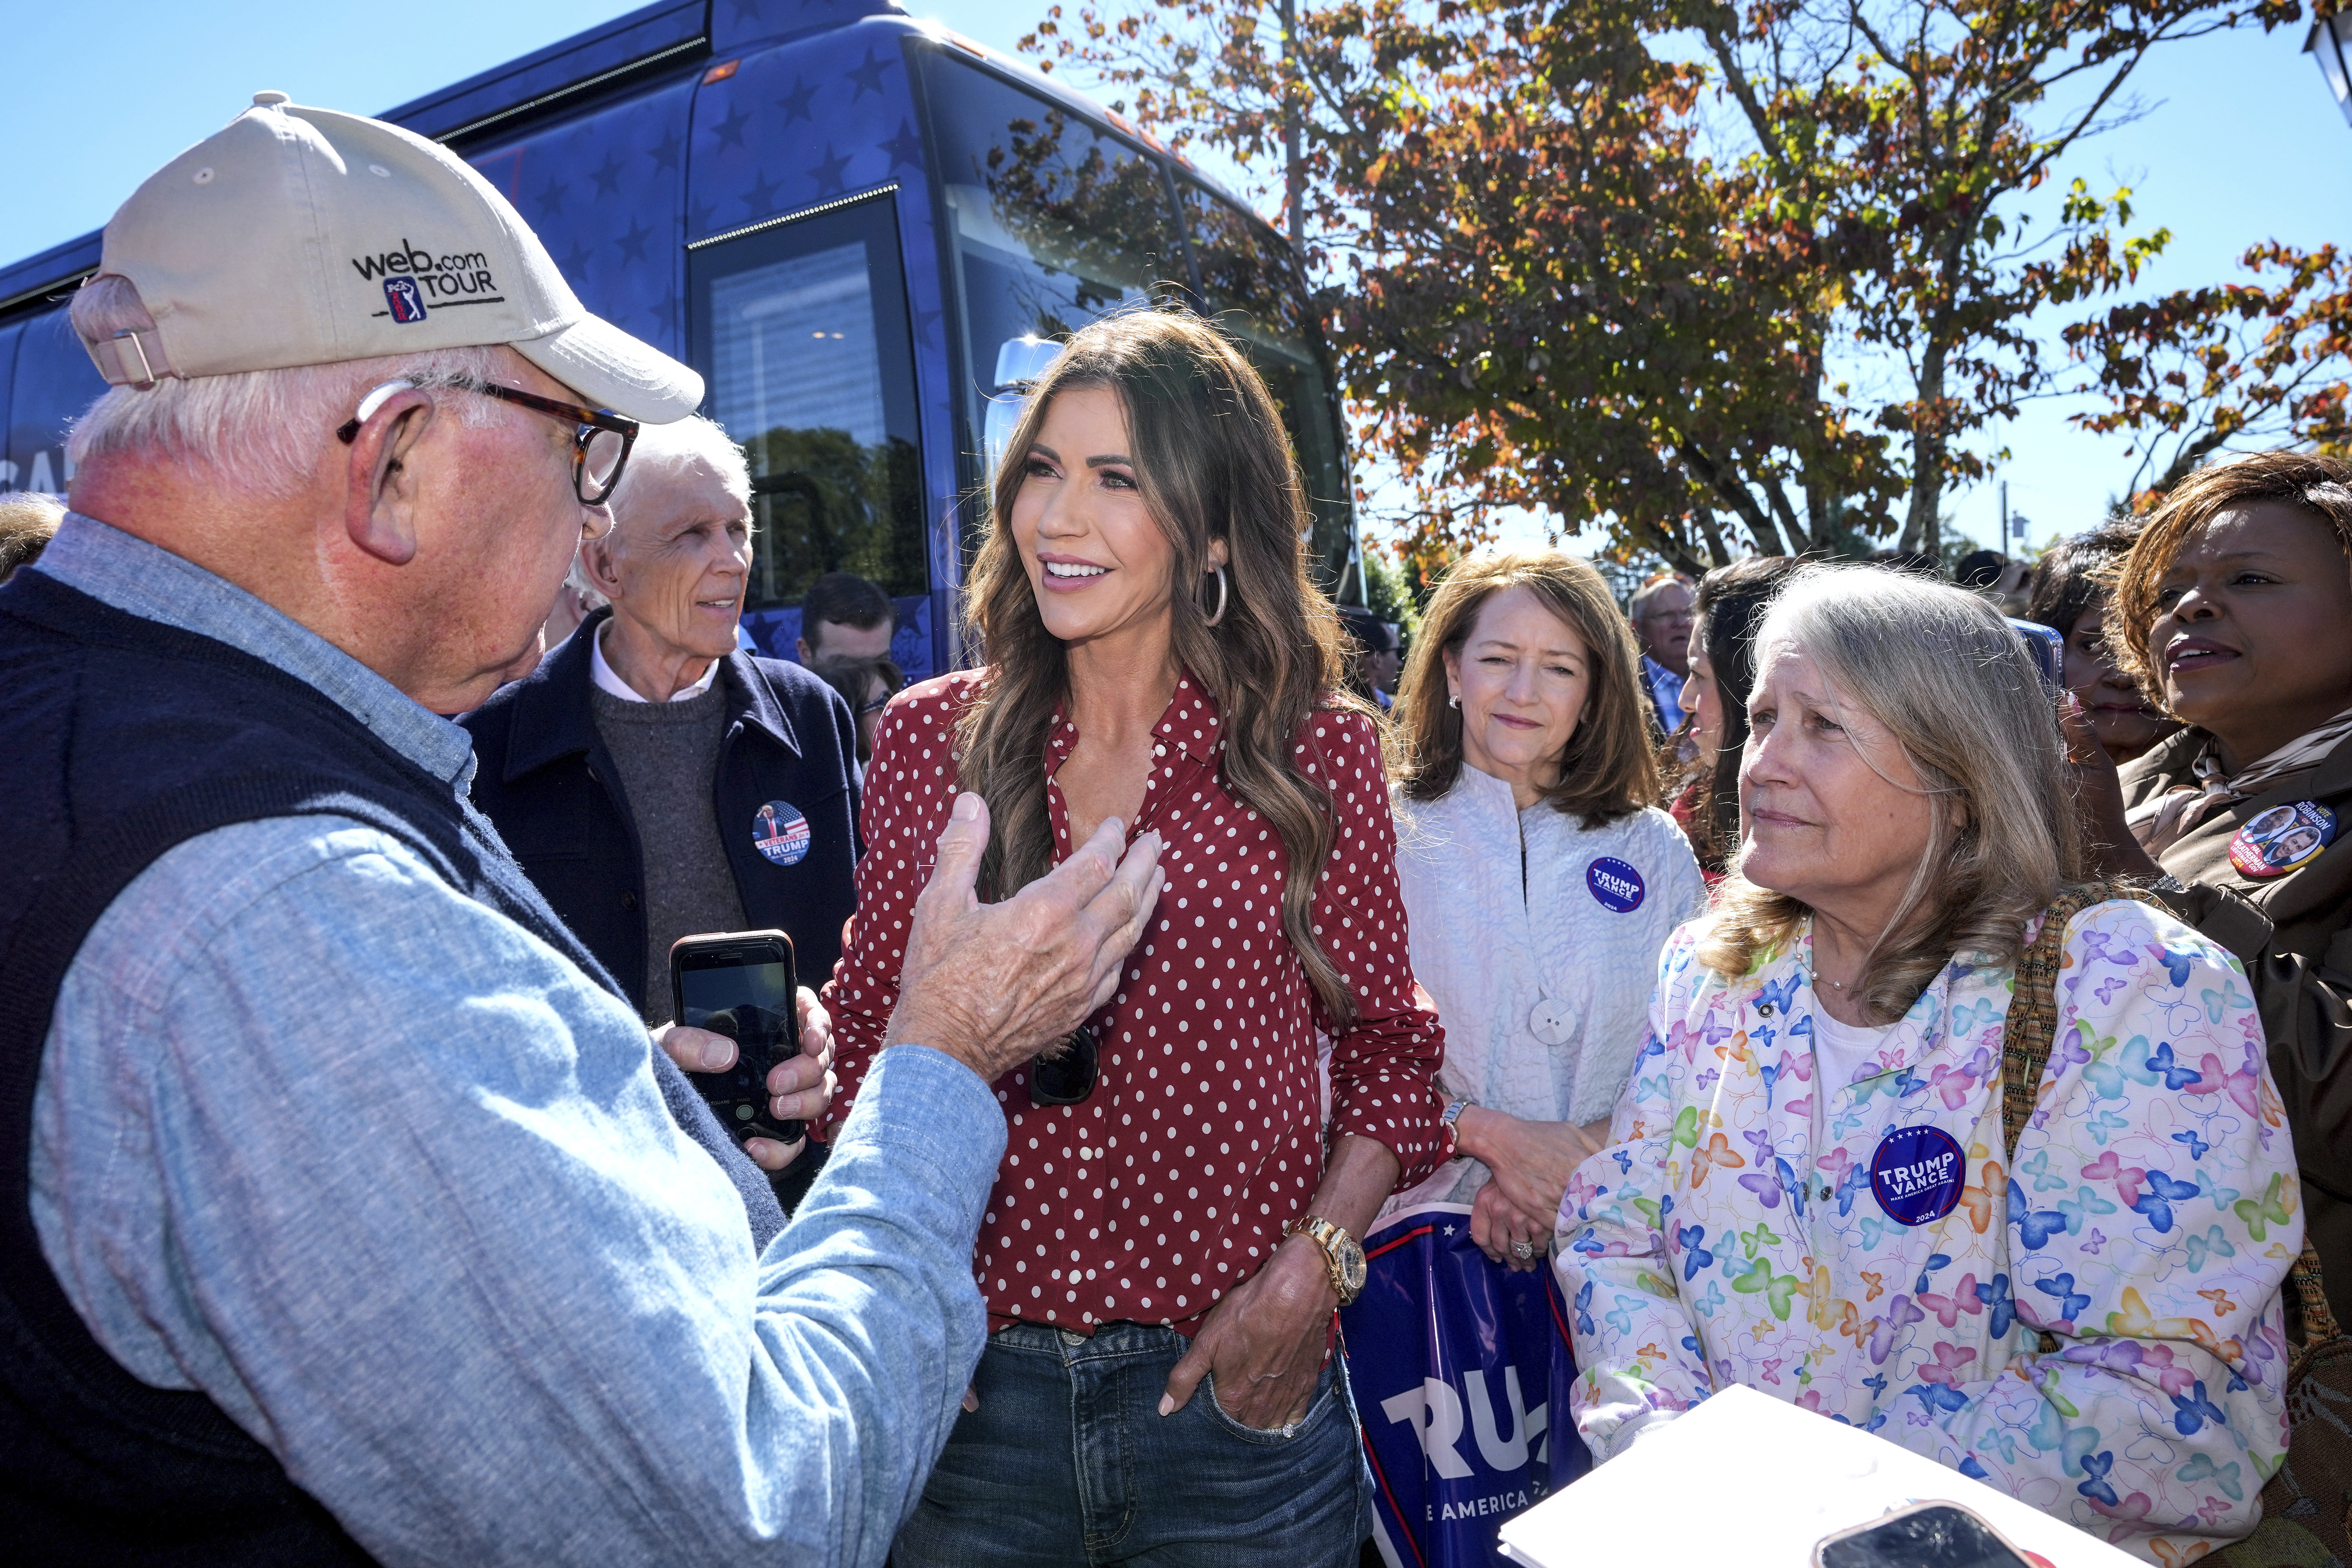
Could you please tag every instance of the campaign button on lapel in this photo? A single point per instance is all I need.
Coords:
(1916, 1175)
(1614, 884)
(779, 832)
(2284, 838)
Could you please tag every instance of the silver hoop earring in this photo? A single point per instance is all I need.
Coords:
(1454, 701)
(1220, 595)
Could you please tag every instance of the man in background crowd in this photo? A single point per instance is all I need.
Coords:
(867, 685)
(354, 1215)
(845, 617)
(655, 781)
(1662, 613)
(1376, 655)
(28, 520)
(2001, 582)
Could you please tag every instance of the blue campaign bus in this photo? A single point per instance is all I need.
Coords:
(865, 232)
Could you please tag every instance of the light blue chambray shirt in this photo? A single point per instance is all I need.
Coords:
(392, 1181)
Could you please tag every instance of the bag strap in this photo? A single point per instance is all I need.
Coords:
(2025, 1052)
(2033, 1011)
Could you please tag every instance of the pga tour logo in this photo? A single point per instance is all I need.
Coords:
(415, 278)
(407, 300)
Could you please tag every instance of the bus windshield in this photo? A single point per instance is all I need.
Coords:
(1250, 284)
(1052, 223)
(1055, 223)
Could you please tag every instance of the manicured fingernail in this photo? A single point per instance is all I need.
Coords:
(966, 807)
(1167, 1402)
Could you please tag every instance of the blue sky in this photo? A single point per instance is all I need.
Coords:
(2240, 142)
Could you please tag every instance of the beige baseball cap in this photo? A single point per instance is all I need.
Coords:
(296, 236)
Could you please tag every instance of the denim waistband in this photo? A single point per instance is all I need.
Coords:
(1108, 1341)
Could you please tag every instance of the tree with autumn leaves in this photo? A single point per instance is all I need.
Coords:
(1712, 279)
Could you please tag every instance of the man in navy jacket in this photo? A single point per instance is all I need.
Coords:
(654, 782)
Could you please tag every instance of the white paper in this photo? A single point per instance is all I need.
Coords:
(1745, 1478)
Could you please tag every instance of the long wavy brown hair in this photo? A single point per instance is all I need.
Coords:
(1607, 769)
(1213, 462)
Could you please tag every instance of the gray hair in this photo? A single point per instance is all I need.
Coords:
(1639, 604)
(677, 448)
(259, 432)
(1955, 687)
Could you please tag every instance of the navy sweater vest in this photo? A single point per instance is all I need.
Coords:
(119, 739)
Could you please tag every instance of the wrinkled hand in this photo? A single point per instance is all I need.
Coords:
(992, 985)
(1264, 1341)
(1532, 1160)
(2114, 851)
(1496, 1224)
(799, 1087)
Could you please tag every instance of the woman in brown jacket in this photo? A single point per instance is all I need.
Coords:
(2235, 612)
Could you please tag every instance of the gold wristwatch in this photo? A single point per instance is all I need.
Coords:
(1341, 1255)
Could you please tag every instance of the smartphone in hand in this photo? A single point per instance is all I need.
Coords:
(740, 984)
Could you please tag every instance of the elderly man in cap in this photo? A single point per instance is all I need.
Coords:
(352, 1213)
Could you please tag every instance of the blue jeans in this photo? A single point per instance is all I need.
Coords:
(1069, 1461)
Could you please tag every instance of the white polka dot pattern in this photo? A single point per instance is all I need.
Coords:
(1171, 1183)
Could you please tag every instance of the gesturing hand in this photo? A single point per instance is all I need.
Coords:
(992, 985)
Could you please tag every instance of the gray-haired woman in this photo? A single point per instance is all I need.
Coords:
(1809, 1190)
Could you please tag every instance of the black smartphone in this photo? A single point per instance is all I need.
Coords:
(740, 983)
(1924, 1535)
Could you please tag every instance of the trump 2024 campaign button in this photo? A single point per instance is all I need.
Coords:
(1916, 1175)
(1615, 884)
(781, 833)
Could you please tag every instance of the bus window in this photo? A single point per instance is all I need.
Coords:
(9, 335)
(54, 382)
(1250, 284)
(801, 334)
(1053, 224)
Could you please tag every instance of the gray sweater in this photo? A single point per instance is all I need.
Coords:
(667, 753)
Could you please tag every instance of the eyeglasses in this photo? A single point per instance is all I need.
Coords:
(600, 443)
(876, 705)
(1069, 1078)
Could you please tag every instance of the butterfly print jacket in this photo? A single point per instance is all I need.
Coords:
(1734, 1231)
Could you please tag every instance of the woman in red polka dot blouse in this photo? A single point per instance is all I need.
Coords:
(1167, 1240)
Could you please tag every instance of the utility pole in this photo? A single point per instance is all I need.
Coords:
(1293, 175)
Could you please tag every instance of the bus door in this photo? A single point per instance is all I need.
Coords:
(801, 329)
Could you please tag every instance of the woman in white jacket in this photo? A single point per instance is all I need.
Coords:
(1540, 883)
